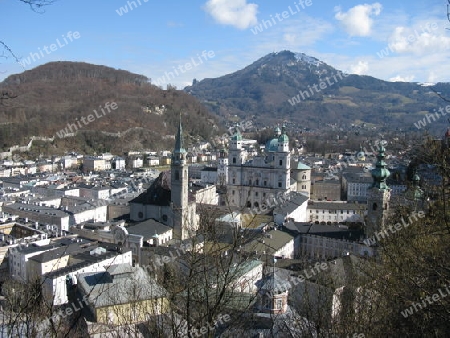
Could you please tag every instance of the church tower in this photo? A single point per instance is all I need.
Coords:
(283, 159)
(378, 196)
(179, 187)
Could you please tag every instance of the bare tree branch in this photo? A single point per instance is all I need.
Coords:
(36, 5)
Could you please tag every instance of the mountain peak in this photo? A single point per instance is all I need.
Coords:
(301, 88)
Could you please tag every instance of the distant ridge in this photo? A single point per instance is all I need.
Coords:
(286, 85)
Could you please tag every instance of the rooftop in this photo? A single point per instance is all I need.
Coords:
(120, 284)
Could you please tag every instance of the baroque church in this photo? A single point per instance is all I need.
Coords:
(168, 200)
(254, 181)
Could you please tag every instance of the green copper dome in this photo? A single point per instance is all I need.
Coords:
(283, 138)
(272, 145)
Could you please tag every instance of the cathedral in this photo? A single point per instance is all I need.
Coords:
(253, 182)
(167, 200)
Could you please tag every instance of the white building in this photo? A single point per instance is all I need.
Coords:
(153, 160)
(293, 206)
(209, 175)
(54, 284)
(137, 162)
(91, 163)
(253, 181)
(118, 163)
(336, 212)
(40, 214)
(324, 248)
(222, 169)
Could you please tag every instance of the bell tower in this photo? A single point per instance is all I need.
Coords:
(179, 187)
(378, 195)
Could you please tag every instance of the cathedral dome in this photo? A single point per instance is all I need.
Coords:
(283, 139)
(272, 145)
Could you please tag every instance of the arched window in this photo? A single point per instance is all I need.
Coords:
(248, 204)
(304, 177)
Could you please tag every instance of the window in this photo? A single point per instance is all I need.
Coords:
(265, 183)
(234, 160)
(281, 162)
(250, 182)
(140, 214)
(232, 192)
(256, 204)
(164, 218)
(304, 177)
(256, 193)
(257, 182)
(279, 184)
(303, 186)
(177, 175)
(374, 206)
(278, 304)
(234, 181)
(264, 194)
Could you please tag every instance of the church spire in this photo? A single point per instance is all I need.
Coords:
(179, 143)
(380, 173)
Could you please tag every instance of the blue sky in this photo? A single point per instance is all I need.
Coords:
(392, 40)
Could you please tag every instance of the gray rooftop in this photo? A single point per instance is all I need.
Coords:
(148, 229)
(120, 284)
(295, 199)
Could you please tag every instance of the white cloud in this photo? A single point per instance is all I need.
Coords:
(237, 13)
(298, 33)
(361, 68)
(399, 78)
(420, 39)
(358, 21)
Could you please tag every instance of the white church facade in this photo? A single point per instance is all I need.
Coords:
(252, 182)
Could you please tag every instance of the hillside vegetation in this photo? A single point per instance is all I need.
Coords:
(51, 96)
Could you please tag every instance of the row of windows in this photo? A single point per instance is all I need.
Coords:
(256, 193)
(333, 211)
